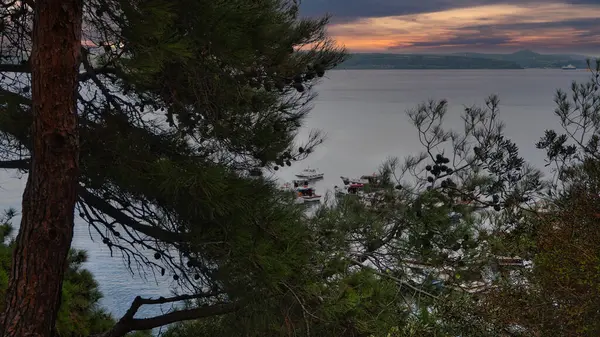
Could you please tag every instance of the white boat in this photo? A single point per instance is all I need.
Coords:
(308, 194)
(569, 67)
(310, 174)
(314, 198)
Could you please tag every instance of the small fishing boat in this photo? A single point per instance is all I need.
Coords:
(352, 189)
(310, 174)
(308, 194)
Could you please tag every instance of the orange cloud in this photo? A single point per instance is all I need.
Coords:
(418, 31)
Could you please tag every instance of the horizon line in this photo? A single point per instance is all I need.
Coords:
(469, 52)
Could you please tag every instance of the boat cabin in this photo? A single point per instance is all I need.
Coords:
(306, 192)
(299, 183)
(310, 174)
(354, 188)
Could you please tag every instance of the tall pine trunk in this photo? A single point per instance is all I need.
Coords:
(40, 256)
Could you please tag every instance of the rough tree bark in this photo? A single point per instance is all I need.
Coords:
(40, 255)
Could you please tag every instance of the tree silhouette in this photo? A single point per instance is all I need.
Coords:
(178, 103)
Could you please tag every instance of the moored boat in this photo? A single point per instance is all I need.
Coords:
(308, 194)
(310, 174)
(351, 189)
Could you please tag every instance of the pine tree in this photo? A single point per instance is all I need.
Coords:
(39, 262)
(430, 226)
(180, 105)
(558, 295)
(555, 235)
(80, 313)
(415, 247)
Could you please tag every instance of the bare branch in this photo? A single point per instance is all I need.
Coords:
(15, 68)
(90, 73)
(106, 208)
(22, 164)
(128, 324)
(163, 300)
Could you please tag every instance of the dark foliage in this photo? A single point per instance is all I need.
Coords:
(178, 102)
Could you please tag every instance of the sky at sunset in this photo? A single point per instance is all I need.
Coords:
(424, 26)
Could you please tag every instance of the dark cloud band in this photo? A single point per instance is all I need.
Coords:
(349, 10)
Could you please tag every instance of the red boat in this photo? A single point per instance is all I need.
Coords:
(308, 194)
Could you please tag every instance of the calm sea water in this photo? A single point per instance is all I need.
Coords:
(363, 114)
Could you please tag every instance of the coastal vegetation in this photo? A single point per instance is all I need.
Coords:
(170, 123)
(80, 314)
(463, 239)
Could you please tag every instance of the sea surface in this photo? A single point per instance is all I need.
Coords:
(363, 113)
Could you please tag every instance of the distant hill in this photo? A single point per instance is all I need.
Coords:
(530, 59)
(518, 60)
(413, 61)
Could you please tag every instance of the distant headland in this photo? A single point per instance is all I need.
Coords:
(522, 59)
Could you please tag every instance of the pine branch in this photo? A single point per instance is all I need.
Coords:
(82, 77)
(128, 323)
(15, 68)
(29, 3)
(91, 73)
(139, 301)
(22, 164)
(9, 95)
(401, 282)
(100, 204)
(93, 76)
